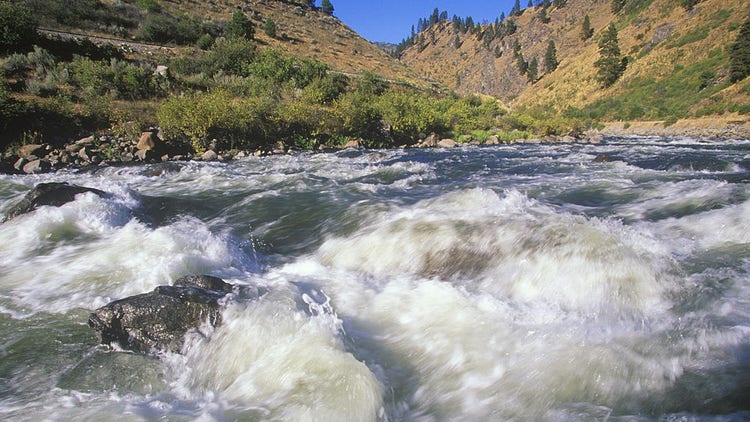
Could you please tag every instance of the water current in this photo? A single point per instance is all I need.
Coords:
(521, 282)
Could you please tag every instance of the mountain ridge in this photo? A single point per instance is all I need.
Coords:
(665, 45)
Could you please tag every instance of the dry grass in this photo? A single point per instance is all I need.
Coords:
(661, 39)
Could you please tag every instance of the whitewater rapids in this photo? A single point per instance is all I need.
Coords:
(502, 283)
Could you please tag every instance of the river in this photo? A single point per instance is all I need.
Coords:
(519, 282)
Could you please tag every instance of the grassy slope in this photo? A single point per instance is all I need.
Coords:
(670, 50)
(301, 31)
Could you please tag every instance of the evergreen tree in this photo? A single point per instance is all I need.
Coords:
(689, 4)
(510, 27)
(560, 3)
(516, 10)
(457, 42)
(550, 58)
(240, 26)
(543, 16)
(531, 4)
(326, 7)
(532, 71)
(611, 64)
(435, 17)
(311, 3)
(586, 30)
(270, 28)
(617, 6)
(739, 54)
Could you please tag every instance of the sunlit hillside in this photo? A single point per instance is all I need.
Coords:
(678, 59)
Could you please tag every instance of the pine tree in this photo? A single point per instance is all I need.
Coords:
(689, 4)
(550, 58)
(739, 54)
(516, 10)
(586, 30)
(617, 5)
(611, 64)
(326, 7)
(240, 26)
(510, 27)
(531, 4)
(532, 71)
(543, 16)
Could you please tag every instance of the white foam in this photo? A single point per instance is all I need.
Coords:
(84, 254)
(269, 355)
(513, 247)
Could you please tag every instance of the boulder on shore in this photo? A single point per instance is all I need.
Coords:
(52, 194)
(157, 321)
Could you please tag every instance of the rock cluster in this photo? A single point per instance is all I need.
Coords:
(150, 147)
(434, 141)
(157, 321)
(90, 151)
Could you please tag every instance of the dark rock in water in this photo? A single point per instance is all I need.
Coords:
(158, 321)
(204, 282)
(53, 194)
(603, 158)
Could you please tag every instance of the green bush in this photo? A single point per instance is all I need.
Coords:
(116, 78)
(410, 115)
(232, 56)
(205, 42)
(354, 115)
(326, 89)
(17, 28)
(198, 118)
(164, 29)
(274, 65)
(240, 26)
(149, 5)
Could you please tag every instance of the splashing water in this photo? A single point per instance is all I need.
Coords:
(504, 283)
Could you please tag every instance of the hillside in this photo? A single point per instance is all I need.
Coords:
(678, 60)
(301, 31)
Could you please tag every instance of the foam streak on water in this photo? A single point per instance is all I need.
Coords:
(505, 283)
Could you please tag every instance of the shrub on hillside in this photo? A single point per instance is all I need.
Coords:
(326, 89)
(739, 61)
(17, 28)
(116, 78)
(164, 29)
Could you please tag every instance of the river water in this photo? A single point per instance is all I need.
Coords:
(519, 282)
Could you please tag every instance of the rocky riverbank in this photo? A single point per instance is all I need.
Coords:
(104, 150)
(732, 127)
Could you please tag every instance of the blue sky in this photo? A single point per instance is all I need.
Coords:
(391, 20)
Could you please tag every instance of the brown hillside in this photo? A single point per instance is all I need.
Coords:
(301, 31)
(660, 37)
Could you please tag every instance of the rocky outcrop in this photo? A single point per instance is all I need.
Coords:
(51, 194)
(157, 321)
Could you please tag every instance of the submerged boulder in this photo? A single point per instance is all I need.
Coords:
(52, 194)
(158, 321)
